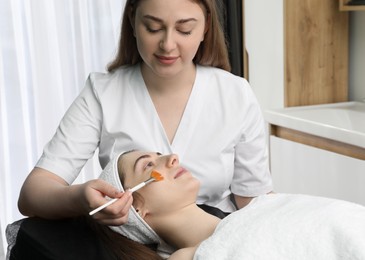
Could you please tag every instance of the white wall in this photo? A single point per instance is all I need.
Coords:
(357, 56)
(264, 41)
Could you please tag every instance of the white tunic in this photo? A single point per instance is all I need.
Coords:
(220, 139)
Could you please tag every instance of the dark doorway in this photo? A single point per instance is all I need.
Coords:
(230, 12)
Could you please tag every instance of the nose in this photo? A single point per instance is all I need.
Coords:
(168, 42)
(172, 160)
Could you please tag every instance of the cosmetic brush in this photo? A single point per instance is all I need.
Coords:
(155, 176)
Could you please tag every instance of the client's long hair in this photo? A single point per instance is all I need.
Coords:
(121, 246)
(127, 249)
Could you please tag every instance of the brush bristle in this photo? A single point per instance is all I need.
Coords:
(157, 176)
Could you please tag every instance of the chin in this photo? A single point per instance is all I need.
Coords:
(167, 71)
(166, 74)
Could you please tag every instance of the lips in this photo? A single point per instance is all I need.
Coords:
(166, 59)
(181, 172)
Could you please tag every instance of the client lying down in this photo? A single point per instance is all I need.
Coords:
(274, 226)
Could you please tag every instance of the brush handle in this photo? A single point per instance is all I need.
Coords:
(103, 206)
(135, 188)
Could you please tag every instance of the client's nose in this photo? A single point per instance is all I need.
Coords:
(172, 160)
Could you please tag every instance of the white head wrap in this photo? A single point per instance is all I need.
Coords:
(136, 228)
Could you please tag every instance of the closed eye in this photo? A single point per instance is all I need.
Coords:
(144, 161)
(148, 165)
(150, 30)
(185, 33)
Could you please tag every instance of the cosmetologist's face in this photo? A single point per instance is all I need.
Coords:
(168, 34)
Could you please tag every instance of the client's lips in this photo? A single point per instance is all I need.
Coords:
(181, 172)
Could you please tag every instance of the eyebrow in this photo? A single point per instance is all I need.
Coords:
(142, 157)
(181, 21)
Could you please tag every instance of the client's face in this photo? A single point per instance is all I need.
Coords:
(178, 188)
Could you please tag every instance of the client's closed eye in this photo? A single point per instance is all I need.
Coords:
(148, 165)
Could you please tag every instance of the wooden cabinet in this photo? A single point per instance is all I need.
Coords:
(316, 52)
(345, 7)
(297, 51)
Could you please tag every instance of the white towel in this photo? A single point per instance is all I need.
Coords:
(283, 226)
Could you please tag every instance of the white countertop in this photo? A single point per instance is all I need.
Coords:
(343, 122)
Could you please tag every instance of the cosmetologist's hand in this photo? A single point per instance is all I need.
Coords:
(95, 192)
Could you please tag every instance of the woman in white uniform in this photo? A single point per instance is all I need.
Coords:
(169, 90)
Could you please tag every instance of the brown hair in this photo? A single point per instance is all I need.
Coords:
(122, 247)
(212, 51)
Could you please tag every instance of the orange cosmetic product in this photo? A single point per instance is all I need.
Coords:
(155, 176)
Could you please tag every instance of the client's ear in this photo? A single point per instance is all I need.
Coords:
(142, 212)
(140, 209)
